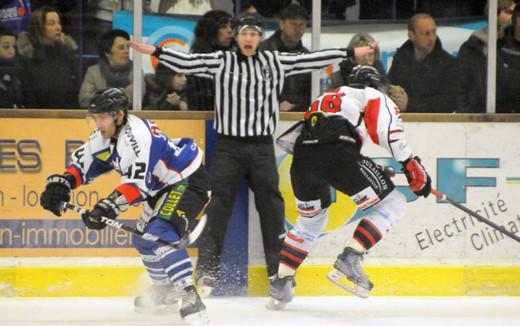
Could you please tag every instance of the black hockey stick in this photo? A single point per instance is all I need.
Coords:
(482, 219)
(193, 236)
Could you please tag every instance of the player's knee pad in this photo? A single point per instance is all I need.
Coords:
(387, 212)
(313, 225)
(307, 230)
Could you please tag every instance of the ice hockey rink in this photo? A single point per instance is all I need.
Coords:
(474, 311)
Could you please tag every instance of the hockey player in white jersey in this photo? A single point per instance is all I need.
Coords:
(166, 174)
(326, 153)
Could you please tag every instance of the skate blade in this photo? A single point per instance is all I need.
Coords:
(341, 280)
(199, 318)
(274, 304)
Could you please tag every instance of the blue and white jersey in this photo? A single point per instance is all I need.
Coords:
(146, 159)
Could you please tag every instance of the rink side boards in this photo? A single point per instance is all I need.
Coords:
(311, 280)
(452, 276)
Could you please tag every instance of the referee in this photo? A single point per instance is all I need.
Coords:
(247, 84)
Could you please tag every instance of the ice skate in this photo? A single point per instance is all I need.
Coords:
(205, 285)
(192, 309)
(158, 299)
(349, 275)
(281, 292)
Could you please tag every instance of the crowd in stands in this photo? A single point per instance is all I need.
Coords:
(40, 68)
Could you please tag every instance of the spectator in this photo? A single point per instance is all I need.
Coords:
(49, 62)
(472, 59)
(165, 90)
(213, 32)
(10, 85)
(508, 68)
(425, 70)
(15, 14)
(341, 77)
(114, 69)
(296, 91)
(70, 15)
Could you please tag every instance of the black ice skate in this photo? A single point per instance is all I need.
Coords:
(348, 265)
(192, 309)
(158, 299)
(281, 291)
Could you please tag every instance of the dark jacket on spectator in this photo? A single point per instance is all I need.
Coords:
(50, 73)
(472, 60)
(156, 93)
(200, 90)
(432, 84)
(508, 73)
(297, 88)
(103, 75)
(10, 84)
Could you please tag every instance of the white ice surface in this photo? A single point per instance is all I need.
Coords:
(316, 311)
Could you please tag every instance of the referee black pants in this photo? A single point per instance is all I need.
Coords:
(233, 159)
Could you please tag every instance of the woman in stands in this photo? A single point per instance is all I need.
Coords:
(113, 70)
(49, 62)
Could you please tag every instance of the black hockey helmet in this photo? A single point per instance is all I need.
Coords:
(109, 100)
(248, 19)
(362, 76)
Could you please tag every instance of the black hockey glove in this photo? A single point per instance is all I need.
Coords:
(419, 181)
(104, 208)
(57, 191)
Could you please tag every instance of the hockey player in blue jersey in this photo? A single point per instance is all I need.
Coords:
(166, 174)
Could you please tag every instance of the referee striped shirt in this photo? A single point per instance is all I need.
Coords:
(247, 88)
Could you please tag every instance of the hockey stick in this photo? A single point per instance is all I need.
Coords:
(193, 236)
(482, 219)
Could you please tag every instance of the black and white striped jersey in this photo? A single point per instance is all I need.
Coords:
(247, 88)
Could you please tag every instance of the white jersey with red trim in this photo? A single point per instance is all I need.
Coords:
(371, 112)
(146, 159)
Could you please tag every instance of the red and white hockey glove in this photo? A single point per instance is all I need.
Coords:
(419, 181)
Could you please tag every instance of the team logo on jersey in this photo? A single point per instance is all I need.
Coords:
(314, 120)
(266, 72)
(103, 155)
(169, 206)
(374, 175)
(365, 198)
